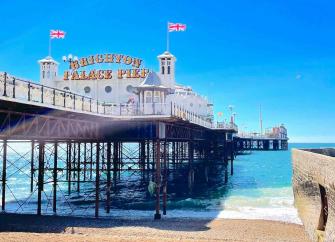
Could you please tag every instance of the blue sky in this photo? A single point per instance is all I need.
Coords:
(280, 54)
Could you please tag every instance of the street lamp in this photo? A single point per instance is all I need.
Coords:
(234, 115)
(69, 58)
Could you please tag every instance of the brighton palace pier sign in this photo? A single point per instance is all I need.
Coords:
(135, 72)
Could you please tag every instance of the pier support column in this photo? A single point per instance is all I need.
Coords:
(97, 180)
(108, 188)
(91, 161)
(190, 152)
(4, 170)
(165, 176)
(85, 160)
(158, 177)
(54, 198)
(78, 168)
(40, 176)
(32, 166)
(142, 155)
(232, 158)
(115, 160)
(225, 158)
(69, 157)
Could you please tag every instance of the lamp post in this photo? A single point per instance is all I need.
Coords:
(234, 115)
(70, 58)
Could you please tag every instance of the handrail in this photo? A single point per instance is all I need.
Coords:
(37, 93)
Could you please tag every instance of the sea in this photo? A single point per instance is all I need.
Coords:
(261, 188)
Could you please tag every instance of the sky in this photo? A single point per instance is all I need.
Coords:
(277, 54)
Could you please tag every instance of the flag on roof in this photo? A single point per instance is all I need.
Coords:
(57, 34)
(176, 27)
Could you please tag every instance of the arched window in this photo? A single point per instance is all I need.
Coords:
(43, 74)
(87, 89)
(148, 97)
(162, 69)
(168, 70)
(66, 88)
(108, 89)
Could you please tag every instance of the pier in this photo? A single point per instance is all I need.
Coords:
(263, 143)
(78, 150)
(78, 145)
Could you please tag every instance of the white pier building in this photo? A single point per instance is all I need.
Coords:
(140, 90)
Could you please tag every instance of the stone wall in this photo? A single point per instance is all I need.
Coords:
(314, 173)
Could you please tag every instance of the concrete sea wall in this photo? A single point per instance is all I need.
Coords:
(314, 191)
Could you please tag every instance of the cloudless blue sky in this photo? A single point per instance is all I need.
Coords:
(280, 54)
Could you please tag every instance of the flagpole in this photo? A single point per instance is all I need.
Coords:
(167, 37)
(49, 46)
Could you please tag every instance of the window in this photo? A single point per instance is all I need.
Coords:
(43, 74)
(148, 97)
(168, 70)
(162, 69)
(108, 89)
(87, 89)
(157, 97)
(48, 74)
(130, 88)
(66, 88)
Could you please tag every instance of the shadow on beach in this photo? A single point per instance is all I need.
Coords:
(61, 224)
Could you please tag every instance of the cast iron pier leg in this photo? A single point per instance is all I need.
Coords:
(54, 205)
(108, 189)
(158, 178)
(40, 176)
(4, 168)
(97, 181)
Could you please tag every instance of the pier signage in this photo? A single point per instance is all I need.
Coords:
(134, 72)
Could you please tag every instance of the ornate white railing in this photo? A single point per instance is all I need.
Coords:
(12, 87)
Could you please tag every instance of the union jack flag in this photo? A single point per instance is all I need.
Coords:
(176, 27)
(57, 34)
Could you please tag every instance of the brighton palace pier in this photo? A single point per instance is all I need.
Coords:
(87, 140)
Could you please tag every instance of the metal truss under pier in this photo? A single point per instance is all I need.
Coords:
(69, 163)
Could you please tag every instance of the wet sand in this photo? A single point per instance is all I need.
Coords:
(52, 228)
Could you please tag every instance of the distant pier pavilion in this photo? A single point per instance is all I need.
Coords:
(73, 143)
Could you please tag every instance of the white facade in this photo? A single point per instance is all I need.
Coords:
(147, 94)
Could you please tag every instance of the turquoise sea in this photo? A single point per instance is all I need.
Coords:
(259, 189)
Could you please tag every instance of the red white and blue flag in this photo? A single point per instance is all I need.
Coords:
(57, 34)
(176, 27)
